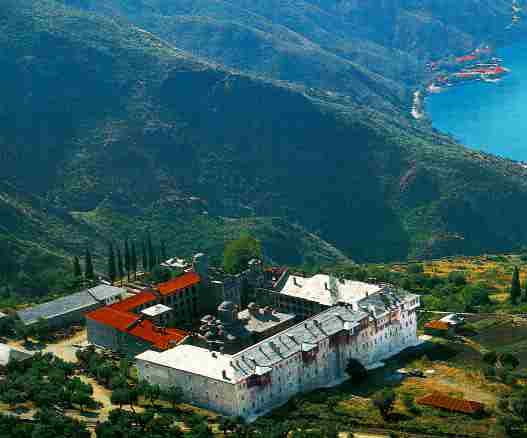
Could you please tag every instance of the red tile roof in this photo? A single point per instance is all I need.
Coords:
(120, 317)
(437, 325)
(438, 400)
(178, 283)
(160, 338)
(134, 302)
(466, 58)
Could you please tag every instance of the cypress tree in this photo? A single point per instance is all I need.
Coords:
(120, 269)
(88, 266)
(515, 286)
(163, 251)
(111, 264)
(127, 259)
(151, 255)
(143, 256)
(77, 271)
(133, 260)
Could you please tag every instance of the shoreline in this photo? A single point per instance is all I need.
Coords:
(418, 112)
(479, 65)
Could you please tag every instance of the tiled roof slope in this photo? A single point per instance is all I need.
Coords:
(295, 339)
(437, 325)
(120, 317)
(178, 283)
(69, 303)
(263, 355)
(134, 302)
(442, 401)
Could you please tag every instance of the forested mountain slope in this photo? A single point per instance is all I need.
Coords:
(371, 51)
(117, 132)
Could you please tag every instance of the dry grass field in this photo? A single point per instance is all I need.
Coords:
(494, 270)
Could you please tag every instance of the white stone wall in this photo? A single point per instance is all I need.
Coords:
(385, 336)
(198, 390)
(293, 375)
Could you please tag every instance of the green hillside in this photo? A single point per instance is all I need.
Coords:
(116, 132)
(371, 51)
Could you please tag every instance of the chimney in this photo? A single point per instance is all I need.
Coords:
(274, 347)
(214, 355)
(326, 286)
(224, 374)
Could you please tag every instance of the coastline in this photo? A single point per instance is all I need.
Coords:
(484, 115)
(418, 106)
(479, 65)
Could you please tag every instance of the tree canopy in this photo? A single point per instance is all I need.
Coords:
(239, 252)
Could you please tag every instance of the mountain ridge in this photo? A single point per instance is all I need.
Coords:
(125, 134)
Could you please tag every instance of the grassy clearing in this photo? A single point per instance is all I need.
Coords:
(494, 270)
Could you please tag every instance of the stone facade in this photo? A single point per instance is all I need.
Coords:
(310, 355)
(235, 288)
(103, 335)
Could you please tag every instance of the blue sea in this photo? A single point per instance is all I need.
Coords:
(488, 116)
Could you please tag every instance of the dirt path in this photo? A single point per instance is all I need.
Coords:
(66, 349)
(103, 396)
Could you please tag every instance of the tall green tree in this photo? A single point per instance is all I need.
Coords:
(385, 401)
(77, 271)
(239, 252)
(127, 259)
(163, 251)
(133, 259)
(111, 263)
(153, 392)
(120, 268)
(515, 286)
(144, 256)
(151, 254)
(173, 395)
(88, 265)
(121, 396)
(356, 371)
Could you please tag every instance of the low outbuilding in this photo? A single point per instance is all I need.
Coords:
(70, 309)
(438, 328)
(452, 404)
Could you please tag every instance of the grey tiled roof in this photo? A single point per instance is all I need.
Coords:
(104, 291)
(69, 303)
(261, 322)
(232, 369)
(298, 338)
(389, 299)
(263, 356)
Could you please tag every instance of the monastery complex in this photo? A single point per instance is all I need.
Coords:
(244, 344)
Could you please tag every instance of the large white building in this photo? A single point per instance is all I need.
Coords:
(367, 322)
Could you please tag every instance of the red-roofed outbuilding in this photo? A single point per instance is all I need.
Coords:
(122, 326)
(441, 401)
(438, 328)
